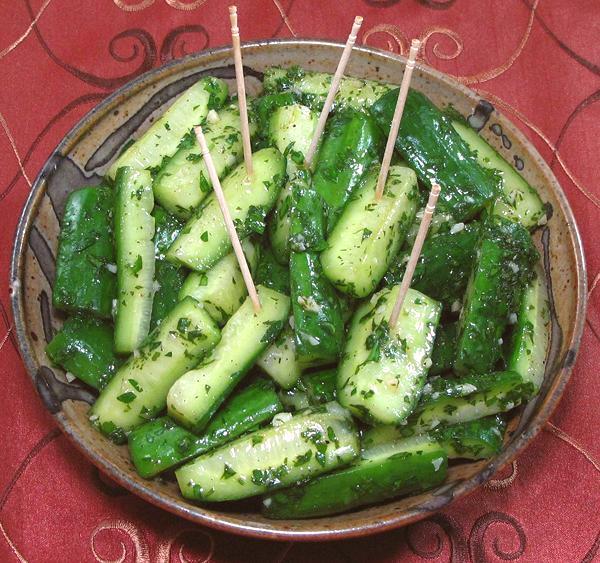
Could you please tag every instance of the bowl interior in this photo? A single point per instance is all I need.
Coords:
(84, 156)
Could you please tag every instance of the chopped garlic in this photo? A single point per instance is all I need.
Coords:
(309, 304)
(111, 268)
(456, 306)
(281, 418)
(512, 319)
(457, 228)
(437, 463)
(212, 116)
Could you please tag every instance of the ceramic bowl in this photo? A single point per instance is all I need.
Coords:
(84, 156)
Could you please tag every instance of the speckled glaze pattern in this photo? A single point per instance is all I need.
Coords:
(84, 156)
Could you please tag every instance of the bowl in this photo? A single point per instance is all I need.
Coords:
(84, 156)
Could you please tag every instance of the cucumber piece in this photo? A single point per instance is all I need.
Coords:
(454, 400)
(183, 182)
(279, 360)
(134, 230)
(382, 371)
(444, 349)
(311, 390)
(221, 290)
(520, 202)
(169, 277)
(163, 136)
(84, 347)
(138, 391)
(195, 397)
(83, 281)
(312, 88)
(290, 129)
(351, 145)
(204, 239)
(530, 337)
(160, 445)
(318, 322)
(405, 467)
(271, 273)
(506, 256)
(475, 439)
(307, 215)
(444, 266)
(301, 448)
(435, 151)
(368, 235)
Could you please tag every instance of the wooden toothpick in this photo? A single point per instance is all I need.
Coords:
(235, 241)
(395, 125)
(415, 253)
(335, 84)
(241, 88)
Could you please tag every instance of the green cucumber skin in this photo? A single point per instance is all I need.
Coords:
(183, 182)
(409, 469)
(368, 234)
(290, 128)
(444, 349)
(444, 266)
(271, 273)
(84, 347)
(272, 458)
(194, 398)
(520, 202)
(138, 391)
(530, 338)
(160, 445)
(307, 215)
(475, 439)
(435, 151)
(85, 248)
(134, 231)
(169, 277)
(318, 322)
(351, 145)
(383, 370)
(279, 360)
(204, 239)
(506, 257)
(311, 88)
(221, 290)
(311, 390)
(454, 400)
(163, 137)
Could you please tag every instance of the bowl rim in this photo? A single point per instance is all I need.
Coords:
(238, 526)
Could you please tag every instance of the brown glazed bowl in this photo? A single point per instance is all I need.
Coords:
(87, 151)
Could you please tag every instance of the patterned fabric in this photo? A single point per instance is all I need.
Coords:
(536, 60)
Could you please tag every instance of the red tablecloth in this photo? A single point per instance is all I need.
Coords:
(538, 60)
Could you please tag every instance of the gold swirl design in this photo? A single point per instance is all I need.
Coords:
(13, 145)
(179, 5)
(495, 72)
(165, 548)
(133, 7)
(562, 435)
(29, 29)
(12, 546)
(394, 32)
(141, 552)
(594, 284)
(499, 484)
(284, 17)
(458, 43)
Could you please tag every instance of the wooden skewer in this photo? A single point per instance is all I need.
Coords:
(335, 84)
(241, 88)
(395, 125)
(415, 253)
(235, 241)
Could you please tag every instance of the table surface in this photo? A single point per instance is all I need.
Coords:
(537, 60)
